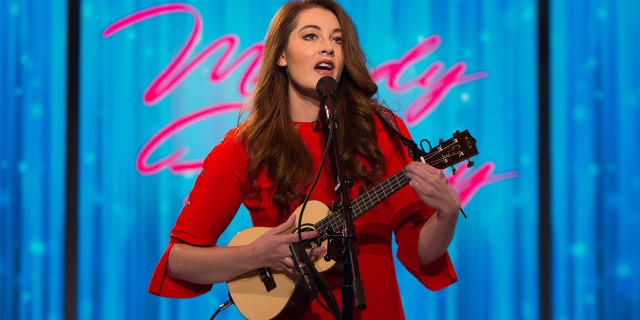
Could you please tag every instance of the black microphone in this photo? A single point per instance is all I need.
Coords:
(298, 255)
(327, 89)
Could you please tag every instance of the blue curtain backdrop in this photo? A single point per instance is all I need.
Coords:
(161, 82)
(32, 148)
(595, 115)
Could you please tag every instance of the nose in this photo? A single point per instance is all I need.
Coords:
(328, 51)
(327, 48)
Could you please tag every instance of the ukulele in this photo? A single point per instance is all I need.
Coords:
(269, 294)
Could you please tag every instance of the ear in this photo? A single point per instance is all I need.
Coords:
(282, 61)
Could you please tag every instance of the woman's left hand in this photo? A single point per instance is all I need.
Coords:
(433, 188)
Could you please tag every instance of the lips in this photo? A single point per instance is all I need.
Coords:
(324, 66)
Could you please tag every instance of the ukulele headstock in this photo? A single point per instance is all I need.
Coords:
(460, 147)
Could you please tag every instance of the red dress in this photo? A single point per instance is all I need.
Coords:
(221, 188)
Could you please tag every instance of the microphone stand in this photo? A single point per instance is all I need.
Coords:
(352, 286)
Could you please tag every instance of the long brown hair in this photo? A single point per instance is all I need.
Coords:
(268, 133)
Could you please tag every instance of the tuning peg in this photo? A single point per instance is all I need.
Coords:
(470, 163)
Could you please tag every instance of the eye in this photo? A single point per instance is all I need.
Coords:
(309, 36)
(337, 40)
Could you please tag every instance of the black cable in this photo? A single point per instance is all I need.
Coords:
(326, 292)
(223, 306)
(313, 185)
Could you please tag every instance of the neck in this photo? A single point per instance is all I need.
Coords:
(303, 108)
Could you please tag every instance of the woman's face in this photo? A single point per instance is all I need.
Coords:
(314, 51)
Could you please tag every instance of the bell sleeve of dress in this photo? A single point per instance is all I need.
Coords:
(409, 213)
(211, 205)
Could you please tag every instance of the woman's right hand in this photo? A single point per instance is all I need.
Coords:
(272, 248)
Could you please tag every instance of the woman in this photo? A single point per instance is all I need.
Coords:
(269, 161)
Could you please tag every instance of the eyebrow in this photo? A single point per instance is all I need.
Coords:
(313, 26)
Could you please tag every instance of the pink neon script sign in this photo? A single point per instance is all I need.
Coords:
(435, 82)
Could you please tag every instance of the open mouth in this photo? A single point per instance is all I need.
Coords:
(324, 66)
